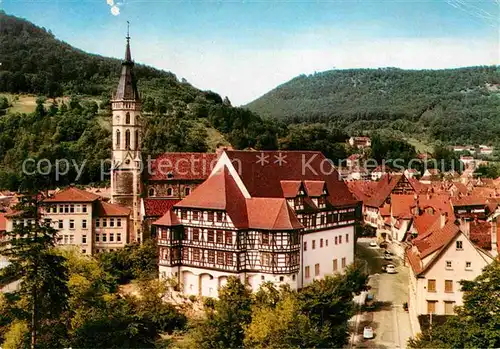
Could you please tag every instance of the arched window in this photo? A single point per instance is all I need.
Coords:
(136, 140)
(127, 118)
(169, 191)
(151, 192)
(187, 191)
(127, 139)
(118, 139)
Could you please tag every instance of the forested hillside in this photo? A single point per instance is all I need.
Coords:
(452, 105)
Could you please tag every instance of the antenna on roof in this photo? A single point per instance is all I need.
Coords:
(128, 30)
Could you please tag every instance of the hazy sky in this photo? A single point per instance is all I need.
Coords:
(242, 49)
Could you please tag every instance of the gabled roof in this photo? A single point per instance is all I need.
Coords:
(263, 171)
(425, 221)
(362, 190)
(315, 188)
(430, 243)
(401, 205)
(385, 186)
(219, 192)
(182, 166)
(290, 188)
(158, 207)
(271, 214)
(72, 194)
(169, 219)
(104, 209)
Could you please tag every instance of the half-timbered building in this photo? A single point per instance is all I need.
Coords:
(289, 221)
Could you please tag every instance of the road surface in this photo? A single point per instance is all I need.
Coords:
(391, 323)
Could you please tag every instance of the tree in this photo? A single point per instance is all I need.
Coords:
(477, 322)
(43, 288)
(224, 326)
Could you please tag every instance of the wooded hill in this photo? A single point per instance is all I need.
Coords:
(451, 105)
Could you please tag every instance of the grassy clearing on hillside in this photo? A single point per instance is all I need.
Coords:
(420, 147)
(24, 103)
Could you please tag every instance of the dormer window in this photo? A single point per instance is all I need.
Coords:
(151, 192)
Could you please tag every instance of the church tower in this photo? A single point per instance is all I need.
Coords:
(126, 166)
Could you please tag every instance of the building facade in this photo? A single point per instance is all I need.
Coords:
(260, 223)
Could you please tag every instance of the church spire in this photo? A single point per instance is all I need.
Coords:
(127, 86)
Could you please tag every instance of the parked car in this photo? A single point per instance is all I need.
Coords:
(388, 252)
(387, 257)
(373, 244)
(368, 332)
(390, 269)
(383, 244)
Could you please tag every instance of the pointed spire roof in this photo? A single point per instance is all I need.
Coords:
(127, 86)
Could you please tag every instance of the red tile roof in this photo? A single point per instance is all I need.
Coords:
(271, 214)
(383, 190)
(314, 188)
(480, 234)
(290, 188)
(182, 166)
(430, 243)
(169, 219)
(158, 207)
(425, 221)
(3, 222)
(219, 192)
(72, 194)
(104, 209)
(401, 205)
(262, 177)
(469, 200)
(362, 190)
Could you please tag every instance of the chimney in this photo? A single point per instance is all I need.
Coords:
(443, 219)
(465, 227)
(494, 236)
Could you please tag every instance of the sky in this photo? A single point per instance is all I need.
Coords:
(242, 49)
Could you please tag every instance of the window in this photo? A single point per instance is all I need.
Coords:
(336, 240)
(60, 224)
(265, 259)
(340, 239)
(71, 239)
(104, 237)
(459, 245)
(210, 236)
(84, 224)
(97, 237)
(111, 237)
(335, 265)
(184, 214)
(97, 223)
(118, 222)
(320, 243)
(169, 191)
(305, 245)
(104, 222)
(220, 217)
(196, 234)
(468, 265)
(127, 139)
(220, 237)
(229, 237)
(229, 258)
(431, 307)
(210, 216)
(118, 237)
(448, 265)
(346, 238)
(448, 286)
(61, 208)
(127, 118)
(72, 208)
(343, 263)
(449, 308)
(265, 238)
(187, 191)
(326, 242)
(196, 215)
(196, 254)
(84, 208)
(72, 224)
(293, 277)
(136, 140)
(151, 192)
(66, 208)
(313, 244)
(118, 139)
(220, 257)
(84, 251)
(282, 278)
(211, 257)
(431, 285)
(316, 269)
(307, 272)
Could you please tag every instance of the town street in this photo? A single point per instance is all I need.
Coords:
(390, 322)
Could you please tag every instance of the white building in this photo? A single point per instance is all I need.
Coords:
(438, 261)
(280, 221)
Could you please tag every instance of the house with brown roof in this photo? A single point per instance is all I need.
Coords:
(360, 142)
(277, 221)
(438, 260)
